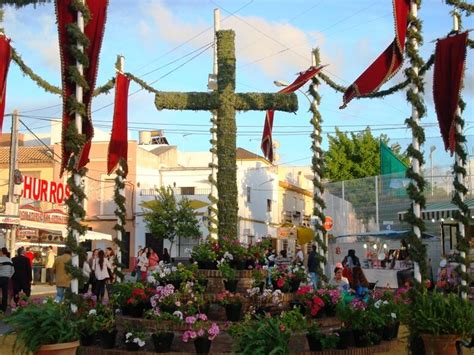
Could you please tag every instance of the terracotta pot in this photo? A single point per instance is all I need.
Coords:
(59, 349)
(440, 344)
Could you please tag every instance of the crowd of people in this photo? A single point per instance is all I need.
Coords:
(147, 261)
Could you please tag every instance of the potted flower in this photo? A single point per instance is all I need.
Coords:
(165, 299)
(262, 302)
(44, 329)
(318, 341)
(312, 303)
(162, 339)
(134, 339)
(228, 275)
(296, 274)
(137, 302)
(331, 298)
(86, 318)
(232, 303)
(440, 320)
(201, 331)
(389, 311)
(105, 320)
(259, 277)
(205, 254)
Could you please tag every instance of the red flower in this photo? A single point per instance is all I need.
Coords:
(282, 327)
(280, 282)
(318, 301)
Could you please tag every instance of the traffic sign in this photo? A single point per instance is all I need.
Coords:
(328, 223)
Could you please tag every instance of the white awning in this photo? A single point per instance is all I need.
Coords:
(61, 228)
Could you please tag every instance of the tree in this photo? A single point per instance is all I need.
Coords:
(355, 156)
(168, 218)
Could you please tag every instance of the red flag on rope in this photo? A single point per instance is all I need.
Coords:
(388, 63)
(267, 142)
(5, 58)
(118, 146)
(450, 57)
(94, 31)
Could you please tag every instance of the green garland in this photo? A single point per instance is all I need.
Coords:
(120, 212)
(417, 183)
(211, 210)
(462, 5)
(317, 167)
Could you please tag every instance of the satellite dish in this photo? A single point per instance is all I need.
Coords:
(276, 145)
(276, 157)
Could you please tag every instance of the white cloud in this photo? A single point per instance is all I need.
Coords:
(274, 48)
(38, 35)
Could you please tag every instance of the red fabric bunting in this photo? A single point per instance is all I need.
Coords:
(94, 31)
(267, 142)
(5, 58)
(388, 63)
(449, 63)
(118, 146)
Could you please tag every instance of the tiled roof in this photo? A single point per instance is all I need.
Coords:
(244, 154)
(27, 155)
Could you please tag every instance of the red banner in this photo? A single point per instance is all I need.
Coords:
(388, 63)
(118, 146)
(5, 58)
(450, 57)
(267, 142)
(94, 31)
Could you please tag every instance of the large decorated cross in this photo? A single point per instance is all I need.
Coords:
(225, 101)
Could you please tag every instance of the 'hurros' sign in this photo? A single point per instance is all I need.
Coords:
(43, 190)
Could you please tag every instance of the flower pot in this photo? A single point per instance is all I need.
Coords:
(233, 311)
(395, 328)
(132, 346)
(231, 285)
(330, 311)
(107, 339)
(207, 265)
(202, 345)
(59, 349)
(137, 310)
(345, 338)
(314, 343)
(238, 264)
(361, 338)
(376, 336)
(387, 332)
(440, 344)
(125, 310)
(162, 341)
(87, 339)
(168, 308)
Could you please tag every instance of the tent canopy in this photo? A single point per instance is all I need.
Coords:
(373, 236)
(61, 228)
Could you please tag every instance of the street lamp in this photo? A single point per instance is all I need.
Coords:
(432, 149)
(281, 83)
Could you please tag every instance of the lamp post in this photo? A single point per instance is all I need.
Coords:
(432, 149)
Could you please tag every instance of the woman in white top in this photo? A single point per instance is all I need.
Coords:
(101, 268)
(339, 281)
(143, 264)
(86, 271)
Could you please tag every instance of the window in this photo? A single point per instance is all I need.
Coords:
(107, 206)
(269, 205)
(249, 193)
(187, 190)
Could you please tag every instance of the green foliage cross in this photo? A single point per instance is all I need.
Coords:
(225, 101)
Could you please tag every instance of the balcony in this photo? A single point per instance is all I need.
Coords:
(179, 191)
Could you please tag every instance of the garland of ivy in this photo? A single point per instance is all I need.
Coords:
(75, 141)
(417, 183)
(120, 212)
(462, 5)
(212, 211)
(317, 167)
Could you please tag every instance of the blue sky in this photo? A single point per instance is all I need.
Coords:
(273, 41)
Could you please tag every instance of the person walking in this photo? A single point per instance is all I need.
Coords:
(143, 264)
(6, 272)
(153, 260)
(101, 272)
(50, 256)
(63, 278)
(21, 279)
(313, 266)
(86, 271)
(110, 255)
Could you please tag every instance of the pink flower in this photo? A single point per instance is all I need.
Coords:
(200, 333)
(202, 316)
(213, 331)
(190, 320)
(177, 304)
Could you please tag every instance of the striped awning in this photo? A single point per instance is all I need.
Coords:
(441, 211)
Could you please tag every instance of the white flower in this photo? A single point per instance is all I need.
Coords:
(92, 312)
(174, 269)
(188, 251)
(141, 343)
(385, 302)
(162, 275)
(180, 263)
(178, 314)
(378, 304)
(161, 263)
(151, 279)
(228, 255)
(128, 335)
(394, 316)
(265, 267)
(167, 271)
(73, 308)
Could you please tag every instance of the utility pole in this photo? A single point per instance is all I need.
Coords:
(13, 166)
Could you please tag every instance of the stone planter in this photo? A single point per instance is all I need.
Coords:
(440, 344)
(59, 349)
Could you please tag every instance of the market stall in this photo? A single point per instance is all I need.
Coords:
(383, 256)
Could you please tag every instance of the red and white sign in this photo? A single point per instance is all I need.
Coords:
(34, 214)
(43, 190)
(328, 223)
